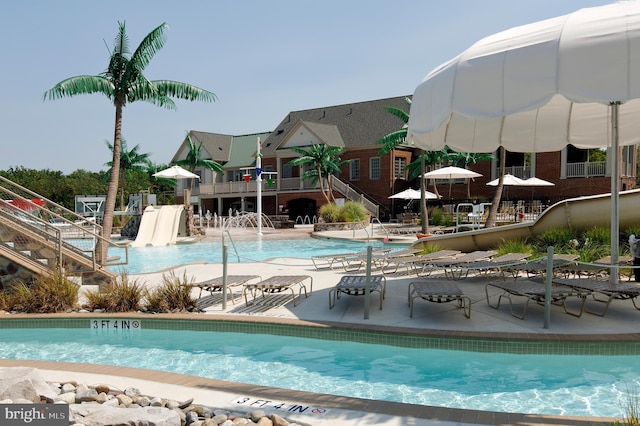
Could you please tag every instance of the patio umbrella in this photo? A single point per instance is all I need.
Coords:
(451, 173)
(509, 180)
(534, 181)
(573, 79)
(176, 172)
(413, 194)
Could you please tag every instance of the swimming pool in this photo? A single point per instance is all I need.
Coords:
(541, 384)
(152, 259)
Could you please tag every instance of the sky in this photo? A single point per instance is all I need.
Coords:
(261, 58)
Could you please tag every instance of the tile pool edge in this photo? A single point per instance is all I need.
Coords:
(517, 343)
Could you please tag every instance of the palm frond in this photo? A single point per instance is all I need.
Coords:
(80, 85)
(150, 45)
(392, 141)
(121, 43)
(180, 90)
(403, 115)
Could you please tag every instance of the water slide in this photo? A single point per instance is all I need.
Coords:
(159, 226)
(576, 213)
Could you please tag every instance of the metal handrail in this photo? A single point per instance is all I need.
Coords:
(226, 231)
(386, 232)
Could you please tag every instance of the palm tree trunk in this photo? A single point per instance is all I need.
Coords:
(495, 204)
(321, 180)
(112, 191)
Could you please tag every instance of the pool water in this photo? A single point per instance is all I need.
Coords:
(537, 384)
(152, 259)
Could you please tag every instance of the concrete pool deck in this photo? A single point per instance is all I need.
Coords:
(445, 319)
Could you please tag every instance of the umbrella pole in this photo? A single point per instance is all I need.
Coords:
(615, 187)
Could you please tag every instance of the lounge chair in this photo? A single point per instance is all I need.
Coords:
(600, 267)
(538, 266)
(358, 260)
(448, 265)
(620, 291)
(215, 285)
(487, 265)
(356, 285)
(536, 291)
(438, 291)
(417, 264)
(382, 260)
(278, 284)
(326, 261)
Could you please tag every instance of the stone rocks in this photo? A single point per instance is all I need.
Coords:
(101, 404)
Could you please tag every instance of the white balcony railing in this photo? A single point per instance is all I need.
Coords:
(587, 169)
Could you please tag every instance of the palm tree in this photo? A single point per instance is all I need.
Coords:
(324, 161)
(123, 82)
(493, 212)
(395, 139)
(194, 159)
(130, 162)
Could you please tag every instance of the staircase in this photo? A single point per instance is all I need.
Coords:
(38, 237)
(354, 195)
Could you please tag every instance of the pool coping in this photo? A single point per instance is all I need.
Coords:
(331, 401)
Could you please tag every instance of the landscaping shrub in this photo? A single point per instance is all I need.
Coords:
(353, 212)
(173, 295)
(330, 213)
(564, 240)
(436, 217)
(517, 246)
(47, 294)
(122, 295)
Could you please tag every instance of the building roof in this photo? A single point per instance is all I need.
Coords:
(215, 146)
(243, 150)
(356, 125)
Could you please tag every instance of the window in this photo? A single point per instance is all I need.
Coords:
(400, 168)
(374, 168)
(287, 171)
(354, 169)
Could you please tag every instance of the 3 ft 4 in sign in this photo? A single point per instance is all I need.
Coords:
(115, 324)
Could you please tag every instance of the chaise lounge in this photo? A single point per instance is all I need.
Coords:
(279, 284)
(438, 291)
(620, 291)
(356, 285)
(215, 285)
(536, 291)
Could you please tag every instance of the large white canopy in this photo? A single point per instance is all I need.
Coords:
(537, 87)
(571, 79)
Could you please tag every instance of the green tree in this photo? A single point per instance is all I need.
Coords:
(194, 159)
(393, 140)
(131, 161)
(123, 82)
(324, 160)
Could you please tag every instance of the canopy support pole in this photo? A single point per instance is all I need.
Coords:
(615, 190)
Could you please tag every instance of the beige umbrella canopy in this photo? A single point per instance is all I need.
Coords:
(176, 172)
(413, 194)
(450, 173)
(509, 180)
